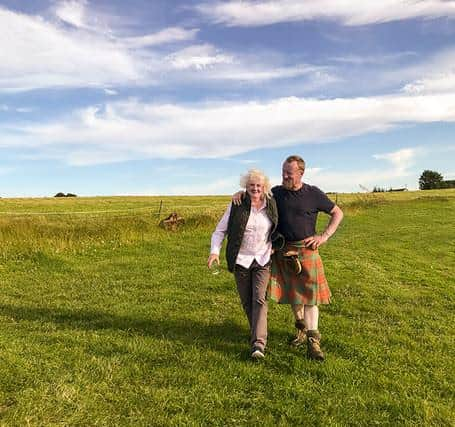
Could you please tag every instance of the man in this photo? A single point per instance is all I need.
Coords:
(297, 276)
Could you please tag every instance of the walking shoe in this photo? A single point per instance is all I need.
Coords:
(301, 336)
(257, 353)
(314, 345)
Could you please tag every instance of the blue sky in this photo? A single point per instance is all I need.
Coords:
(182, 97)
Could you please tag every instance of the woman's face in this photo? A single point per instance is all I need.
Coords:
(255, 187)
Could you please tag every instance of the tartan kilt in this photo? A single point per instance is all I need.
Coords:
(310, 287)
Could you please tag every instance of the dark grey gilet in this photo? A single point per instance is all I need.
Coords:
(238, 219)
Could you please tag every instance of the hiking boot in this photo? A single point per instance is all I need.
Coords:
(257, 353)
(314, 345)
(301, 336)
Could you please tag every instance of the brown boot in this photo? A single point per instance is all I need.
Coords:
(301, 336)
(314, 347)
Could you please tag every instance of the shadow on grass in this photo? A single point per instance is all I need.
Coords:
(226, 337)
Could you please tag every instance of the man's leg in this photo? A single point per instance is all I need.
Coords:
(313, 335)
(311, 317)
(299, 315)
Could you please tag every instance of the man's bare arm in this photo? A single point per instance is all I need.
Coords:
(237, 198)
(336, 216)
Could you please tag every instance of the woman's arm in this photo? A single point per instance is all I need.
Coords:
(218, 237)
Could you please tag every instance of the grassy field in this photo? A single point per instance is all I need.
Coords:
(106, 319)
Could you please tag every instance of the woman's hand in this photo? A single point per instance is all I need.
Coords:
(213, 258)
(237, 198)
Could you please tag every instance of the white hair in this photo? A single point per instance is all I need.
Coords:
(256, 173)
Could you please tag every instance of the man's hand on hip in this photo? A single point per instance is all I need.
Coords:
(315, 241)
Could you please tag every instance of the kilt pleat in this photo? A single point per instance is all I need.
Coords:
(310, 287)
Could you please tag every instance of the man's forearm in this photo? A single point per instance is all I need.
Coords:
(336, 216)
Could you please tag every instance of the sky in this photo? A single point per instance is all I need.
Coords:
(170, 97)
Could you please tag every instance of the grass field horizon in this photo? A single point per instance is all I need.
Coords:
(107, 319)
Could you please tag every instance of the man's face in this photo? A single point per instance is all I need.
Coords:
(292, 176)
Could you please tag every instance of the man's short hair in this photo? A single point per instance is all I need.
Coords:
(298, 159)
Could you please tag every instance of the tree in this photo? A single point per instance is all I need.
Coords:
(430, 179)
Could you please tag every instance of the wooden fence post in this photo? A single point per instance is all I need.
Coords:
(159, 212)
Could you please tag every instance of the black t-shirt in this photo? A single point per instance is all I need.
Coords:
(298, 210)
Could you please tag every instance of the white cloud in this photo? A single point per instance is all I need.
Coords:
(257, 73)
(111, 92)
(266, 12)
(198, 57)
(206, 62)
(78, 14)
(373, 59)
(432, 84)
(4, 107)
(130, 129)
(401, 159)
(435, 74)
(72, 12)
(37, 54)
(168, 35)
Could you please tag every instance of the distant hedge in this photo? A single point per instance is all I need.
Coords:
(65, 195)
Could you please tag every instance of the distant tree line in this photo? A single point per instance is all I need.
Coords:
(430, 180)
(65, 195)
(383, 190)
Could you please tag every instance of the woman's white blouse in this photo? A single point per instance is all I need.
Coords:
(255, 243)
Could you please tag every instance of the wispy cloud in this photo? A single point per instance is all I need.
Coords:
(351, 13)
(399, 71)
(373, 59)
(435, 74)
(168, 35)
(132, 130)
(401, 159)
(437, 83)
(24, 109)
(110, 92)
(4, 107)
(198, 57)
(72, 12)
(38, 53)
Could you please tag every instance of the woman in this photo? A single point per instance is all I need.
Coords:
(249, 228)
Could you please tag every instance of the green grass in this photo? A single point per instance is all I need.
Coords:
(106, 319)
